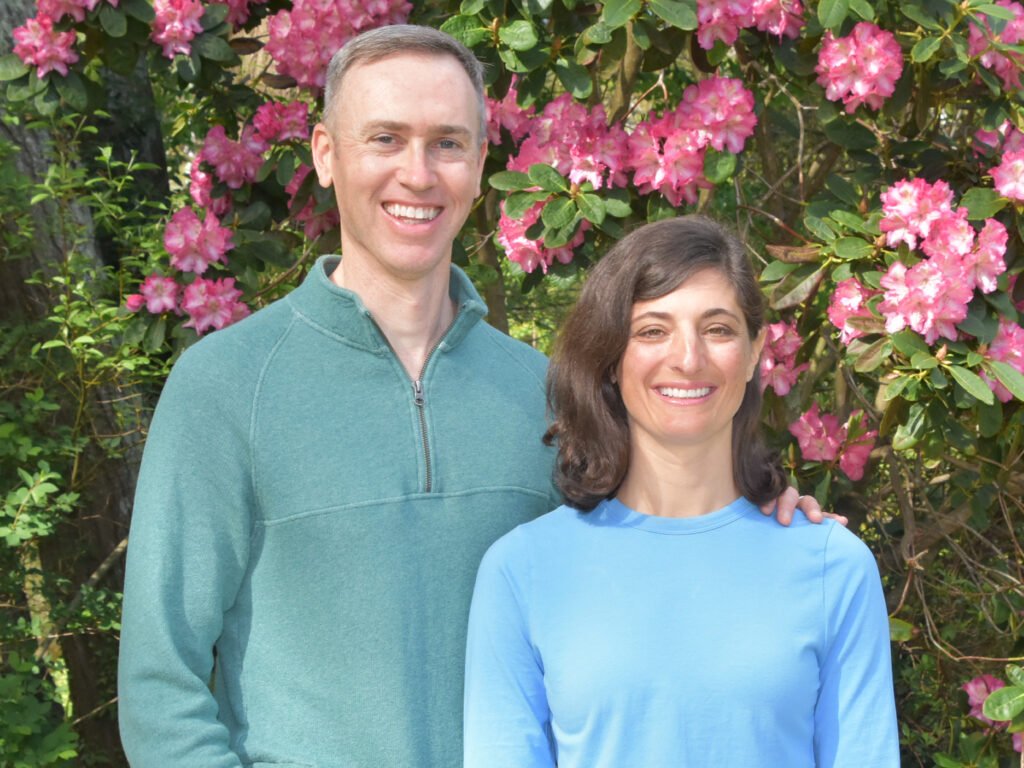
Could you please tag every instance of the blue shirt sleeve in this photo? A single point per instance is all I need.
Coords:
(507, 719)
(855, 717)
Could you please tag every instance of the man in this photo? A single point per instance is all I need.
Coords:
(321, 480)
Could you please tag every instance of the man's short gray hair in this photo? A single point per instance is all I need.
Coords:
(382, 42)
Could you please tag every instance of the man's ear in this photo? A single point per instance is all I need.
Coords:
(322, 146)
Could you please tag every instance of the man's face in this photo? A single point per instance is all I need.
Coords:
(404, 154)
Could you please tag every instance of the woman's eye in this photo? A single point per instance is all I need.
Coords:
(721, 330)
(649, 333)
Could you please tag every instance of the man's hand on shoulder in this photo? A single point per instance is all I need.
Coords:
(791, 500)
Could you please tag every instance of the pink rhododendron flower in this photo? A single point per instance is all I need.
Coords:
(200, 189)
(577, 142)
(530, 254)
(193, 245)
(313, 224)
(951, 237)
(38, 45)
(858, 442)
(1007, 346)
(274, 122)
(303, 39)
(176, 23)
(509, 115)
(910, 208)
(666, 153)
(822, 438)
(160, 293)
(76, 9)
(722, 20)
(1006, 64)
(1006, 138)
(1008, 176)
(212, 304)
(977, 691)
(778, 358)
(849, 300)
(985, 263)
(926, 298)
(819, 436)
(784, 18)
(861, 68)
(133, 302)
(234, 162)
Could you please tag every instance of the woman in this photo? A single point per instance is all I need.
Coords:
(661, 620)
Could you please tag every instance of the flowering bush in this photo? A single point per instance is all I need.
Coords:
(871, 155)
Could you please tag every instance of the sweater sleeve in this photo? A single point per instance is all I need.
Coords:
(507, 719)
(855, 716)
(187, 555)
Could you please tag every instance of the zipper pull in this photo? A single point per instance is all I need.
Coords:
(417, 391)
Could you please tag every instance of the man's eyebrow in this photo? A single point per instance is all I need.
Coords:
(397, 126)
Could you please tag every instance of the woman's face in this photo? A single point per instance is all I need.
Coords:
(686, 365)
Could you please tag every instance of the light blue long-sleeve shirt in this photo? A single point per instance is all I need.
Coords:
(614, 639)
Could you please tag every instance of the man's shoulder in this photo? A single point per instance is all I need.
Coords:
(505, 351)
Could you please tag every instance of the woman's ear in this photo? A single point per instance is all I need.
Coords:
(756, 348)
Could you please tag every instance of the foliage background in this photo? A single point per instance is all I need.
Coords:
(94, 164)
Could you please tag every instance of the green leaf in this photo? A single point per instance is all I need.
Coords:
(574, 77)
(900, 631)
(519, 35)
(849, 135)
(1005, 703)
(915, 13)
(11, 67)
(718, 166)
(832, 13)
(139, 9)
(681, 15)
(776, 271)
(908, 434)
(547, 178)
(113, 21)
(215, 14)
(990, 419)
(863, 9)
(72, 90)
(509, 181)
(516, 205)
(851, 248)
(616, 13)
(982, 203)
(923, 361)
(592, 208)
(819, 228)
(909, 343)
(996, 12)
(597, 34)
(620, 209)
(796, 288)
(558, 213)
(213, 48)
(873, 356)
(1008, 376)
(471, 7)
(924, 49)
(1015, 674)
(467, 30)
(973, 383)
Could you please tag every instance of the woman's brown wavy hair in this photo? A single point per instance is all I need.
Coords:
(589, 421)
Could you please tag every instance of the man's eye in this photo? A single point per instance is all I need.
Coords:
(448, 144)
(384, 139)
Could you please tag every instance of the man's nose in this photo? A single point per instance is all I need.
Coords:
(416, 169)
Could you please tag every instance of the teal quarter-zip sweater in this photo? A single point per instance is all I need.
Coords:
(307, 527)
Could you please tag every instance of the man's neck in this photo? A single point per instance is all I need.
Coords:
(413, 315)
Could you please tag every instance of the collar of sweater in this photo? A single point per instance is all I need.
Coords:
(341, 312)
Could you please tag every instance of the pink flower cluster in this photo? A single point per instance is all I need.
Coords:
(38, 45)
(176, 23)
(530, 254)
(1008, 176)
(212, 304)
(981, 42)
(276, 121)
(778, 358)
(577, 141)
(931, 297)
(313, 224)
(848, 301)
(1007, 346)
(822, 438)
(303, 39)
(194, 245)
(723, 19)
(507, 114)
(158, 294)
(76, 9)
(861, 68)
(977, 690)
(234, 162)
(667, 153)
(1006, 138)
